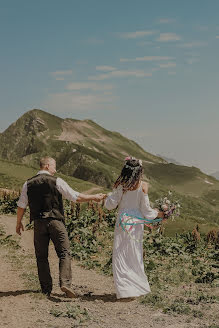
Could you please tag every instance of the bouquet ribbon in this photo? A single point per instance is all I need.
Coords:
(127, 221)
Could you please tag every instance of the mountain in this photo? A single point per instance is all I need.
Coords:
(91, 157)
(215, 175)
(83, 149)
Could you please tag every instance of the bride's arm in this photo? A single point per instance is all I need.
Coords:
(146, 209)
(113, 198)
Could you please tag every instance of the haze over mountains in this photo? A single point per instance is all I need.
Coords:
(169, 160)
(215, 175)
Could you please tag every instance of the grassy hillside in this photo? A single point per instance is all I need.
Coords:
(13, 175)
(201, 210)
(78, 146)
(89, 156)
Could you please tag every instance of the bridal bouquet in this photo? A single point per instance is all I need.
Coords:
(169, 205)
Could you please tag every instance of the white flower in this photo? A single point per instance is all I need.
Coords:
(164, 207)
(167, 201)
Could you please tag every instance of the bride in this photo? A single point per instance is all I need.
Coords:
(130, 194)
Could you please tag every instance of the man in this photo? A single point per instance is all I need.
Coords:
(43, 193)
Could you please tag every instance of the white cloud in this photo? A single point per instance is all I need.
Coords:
(193, 44)
(88, 85)
(166, 20)
(71, 102)
(167, 37)
(146, 58)
(217, 36)
(167, 65)
(120, 74)
(59, 78)
(105, 68)
(136, 34)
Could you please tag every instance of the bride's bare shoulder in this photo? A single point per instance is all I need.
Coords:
(145, 187)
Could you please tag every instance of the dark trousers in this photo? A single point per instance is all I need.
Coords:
(44, 230)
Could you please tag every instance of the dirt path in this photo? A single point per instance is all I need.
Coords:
(22, 305)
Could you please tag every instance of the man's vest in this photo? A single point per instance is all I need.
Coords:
(45, 201)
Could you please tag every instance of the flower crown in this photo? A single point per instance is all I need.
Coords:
(128, 158)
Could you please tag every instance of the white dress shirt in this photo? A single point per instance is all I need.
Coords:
(62, 186)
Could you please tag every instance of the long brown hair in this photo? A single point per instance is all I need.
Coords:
(130, 175)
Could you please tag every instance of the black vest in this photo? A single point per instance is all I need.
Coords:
(45, 201)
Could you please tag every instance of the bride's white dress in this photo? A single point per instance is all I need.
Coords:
(128, 268)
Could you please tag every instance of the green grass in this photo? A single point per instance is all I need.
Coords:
(13, 175)
(71, 311)
(183, 179)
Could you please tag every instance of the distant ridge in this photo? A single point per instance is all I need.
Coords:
(169, 160)
(215, 175)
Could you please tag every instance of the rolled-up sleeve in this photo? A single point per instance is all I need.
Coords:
(66, 191)
(113, 198)
(146, 209)
(23, 199)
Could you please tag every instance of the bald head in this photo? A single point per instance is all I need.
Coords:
(48, 164)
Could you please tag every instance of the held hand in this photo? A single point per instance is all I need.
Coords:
(98, 197)
(160, 214)
(19, 227)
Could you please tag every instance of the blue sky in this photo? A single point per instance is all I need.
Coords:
(147, 69)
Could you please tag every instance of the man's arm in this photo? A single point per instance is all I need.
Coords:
(20, 214)
(74, 196)
(22, 204)
(86, 198)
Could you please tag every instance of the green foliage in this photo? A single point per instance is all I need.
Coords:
(212, 197)
(155, 300)
(170, 262)
(31, 279)
(8, 241)
(56, 312)
(8, 205)
(81, 229)
(72, 311)
(178, 306)
(2, 231)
